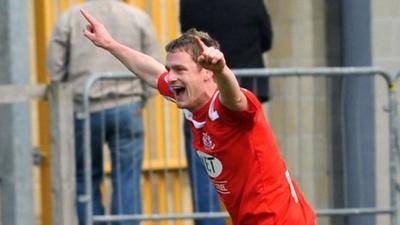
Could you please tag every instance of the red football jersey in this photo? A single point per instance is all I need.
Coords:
(241, 156)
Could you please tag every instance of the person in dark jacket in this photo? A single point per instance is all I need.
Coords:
(243, 28)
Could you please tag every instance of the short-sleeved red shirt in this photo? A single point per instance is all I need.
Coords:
(241, 156)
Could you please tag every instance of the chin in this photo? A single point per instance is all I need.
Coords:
(183, 106)
(180, 105)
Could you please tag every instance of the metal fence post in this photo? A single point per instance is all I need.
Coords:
(395, 148)
(62, 154)
(16, 185)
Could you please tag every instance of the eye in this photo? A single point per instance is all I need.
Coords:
(180, 70)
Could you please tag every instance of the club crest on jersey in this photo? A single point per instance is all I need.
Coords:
(207, 142)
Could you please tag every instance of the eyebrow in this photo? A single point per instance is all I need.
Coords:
(177, 66)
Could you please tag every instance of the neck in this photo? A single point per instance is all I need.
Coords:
(204, 98)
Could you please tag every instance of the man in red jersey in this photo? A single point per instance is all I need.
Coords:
(230, 131)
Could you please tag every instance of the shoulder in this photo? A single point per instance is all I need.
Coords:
(163, 87)
(218, 110)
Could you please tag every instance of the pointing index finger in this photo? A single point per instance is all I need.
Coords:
(88, 17)
(201, 44)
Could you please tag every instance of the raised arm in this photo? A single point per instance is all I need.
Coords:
(145, 67)
(230, 94)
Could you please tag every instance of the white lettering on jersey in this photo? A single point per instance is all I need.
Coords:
(221, 187)
(212, 165)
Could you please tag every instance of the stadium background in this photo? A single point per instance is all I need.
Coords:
(304, 37)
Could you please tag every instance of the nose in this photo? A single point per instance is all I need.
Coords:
(171, 77)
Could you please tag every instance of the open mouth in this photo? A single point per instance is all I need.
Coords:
(178, 90)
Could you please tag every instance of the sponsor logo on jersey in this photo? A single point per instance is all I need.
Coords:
(212, 165)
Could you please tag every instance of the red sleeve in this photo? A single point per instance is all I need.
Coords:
(235, 117)
(254, 103)
(163, 87)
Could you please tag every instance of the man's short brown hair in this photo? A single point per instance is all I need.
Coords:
(187, 42)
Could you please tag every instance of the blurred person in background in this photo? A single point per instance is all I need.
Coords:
(244, 30)
(117, 107)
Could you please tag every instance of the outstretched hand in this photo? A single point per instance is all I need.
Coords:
(210, 58)
(96, 32)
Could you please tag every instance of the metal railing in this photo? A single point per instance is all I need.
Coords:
(390, 209)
